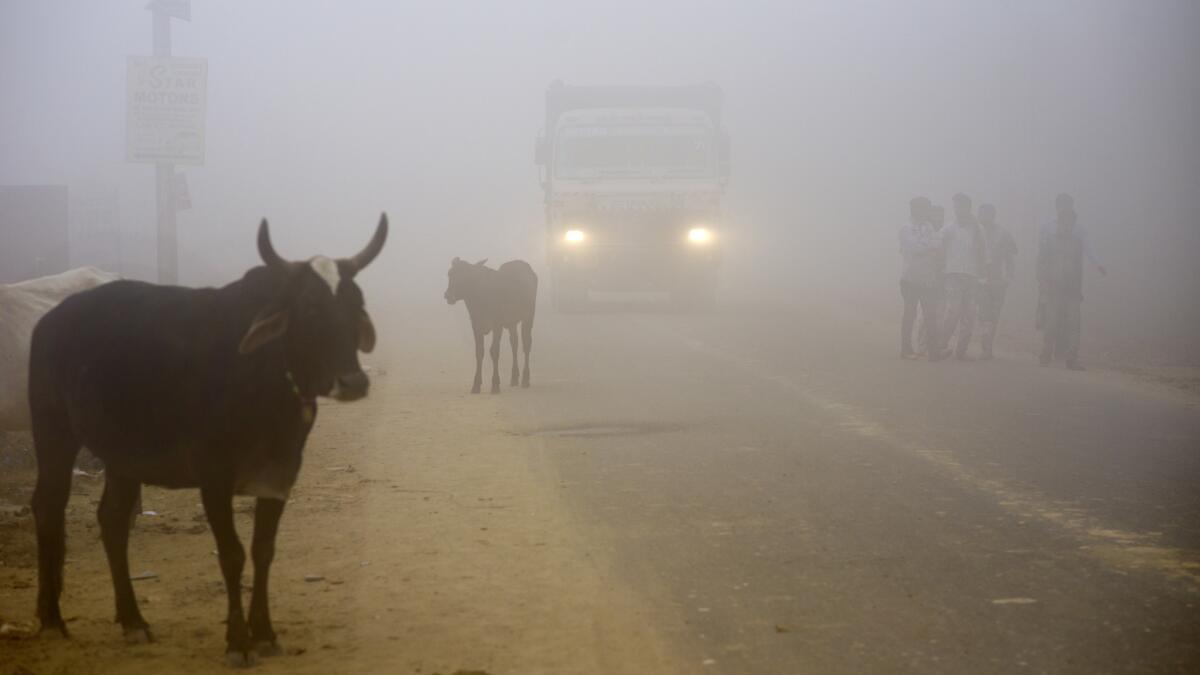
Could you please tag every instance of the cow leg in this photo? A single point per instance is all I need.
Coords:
(516, 370)
(478, 362)
(526, 343)
(496, 335)
(120, 494)
(262, 551)
(218, 506)
(56, 450)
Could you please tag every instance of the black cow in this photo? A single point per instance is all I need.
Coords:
(211, 388)
(496, 299)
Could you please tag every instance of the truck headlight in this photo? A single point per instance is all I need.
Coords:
(574, 237)
(700, 236)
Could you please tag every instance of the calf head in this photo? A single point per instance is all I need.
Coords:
(464, 279)
(320, 318)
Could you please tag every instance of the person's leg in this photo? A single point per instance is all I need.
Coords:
(909, 294)
(1071, 320)
(1050, 325)
(989, 315)
(954, 307)
(928, 301)
(966, 316)
(931, 322)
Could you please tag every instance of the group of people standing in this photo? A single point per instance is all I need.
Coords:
(958, 273)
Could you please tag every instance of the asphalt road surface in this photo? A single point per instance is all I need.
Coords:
(808, 502)
(756, 490)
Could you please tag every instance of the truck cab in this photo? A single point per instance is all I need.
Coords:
(633, 179)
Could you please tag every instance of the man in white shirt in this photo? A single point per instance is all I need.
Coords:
(1000, 265)
(920, 251)
(933, 320)
(965, 250)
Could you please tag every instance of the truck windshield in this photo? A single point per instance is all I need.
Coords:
(637, 151)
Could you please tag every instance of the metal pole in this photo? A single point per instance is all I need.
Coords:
(168, 251)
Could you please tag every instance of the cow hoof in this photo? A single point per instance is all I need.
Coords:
(241, 659)
(266, 649)
(138, 636)
(475, 390)
(524, 385)
(496, 389)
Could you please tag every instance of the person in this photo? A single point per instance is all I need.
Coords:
(999, 265)
(920, 249)
(1061, 252)
(1063, 203)
(964, 246)
(937, 219)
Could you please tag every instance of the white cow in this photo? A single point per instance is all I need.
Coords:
(21, 306)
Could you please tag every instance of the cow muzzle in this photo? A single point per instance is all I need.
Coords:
(351, 387)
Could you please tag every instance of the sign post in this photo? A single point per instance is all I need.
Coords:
(165, 122)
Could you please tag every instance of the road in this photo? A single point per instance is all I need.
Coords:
(756, 490)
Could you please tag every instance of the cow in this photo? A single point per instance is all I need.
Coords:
(496, 299)
(209, 388)
(21, 305)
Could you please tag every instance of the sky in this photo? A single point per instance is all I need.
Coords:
(322, 114)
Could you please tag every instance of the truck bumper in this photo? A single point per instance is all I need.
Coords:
(634, 268)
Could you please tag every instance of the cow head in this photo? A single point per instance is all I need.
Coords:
(320, 318)
(464, 279)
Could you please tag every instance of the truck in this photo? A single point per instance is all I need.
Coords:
(633, 178)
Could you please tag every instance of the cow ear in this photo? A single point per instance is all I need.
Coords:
(481, 263)
(366, 333)
(263, 330)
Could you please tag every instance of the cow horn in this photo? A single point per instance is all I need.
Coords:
(365, 256)
(265, 250)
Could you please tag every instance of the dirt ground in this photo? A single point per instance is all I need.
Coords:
(438, 534)
(558, 530)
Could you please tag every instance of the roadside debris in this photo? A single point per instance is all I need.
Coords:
(143, 575)
(1013, 601)
(314, 577)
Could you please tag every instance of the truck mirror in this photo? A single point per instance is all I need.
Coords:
(539, 152)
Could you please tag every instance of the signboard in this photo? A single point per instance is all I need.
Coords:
(165, 109)
(176, 9)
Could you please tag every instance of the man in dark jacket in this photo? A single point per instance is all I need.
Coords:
(1060, 284)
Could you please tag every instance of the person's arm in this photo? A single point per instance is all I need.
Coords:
(1087, 252)
(914, 242)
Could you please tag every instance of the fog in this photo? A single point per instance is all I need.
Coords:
(320, 116)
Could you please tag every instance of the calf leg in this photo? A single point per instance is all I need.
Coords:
(516, 370)
(218, 506)
(527, 343)
(478, 362)
(56, 451)
(120, 495)
(496, 335)
(266, 523)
